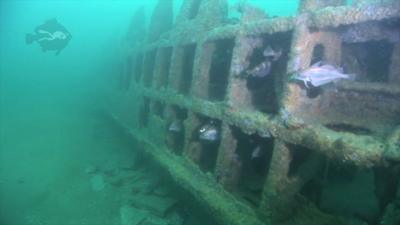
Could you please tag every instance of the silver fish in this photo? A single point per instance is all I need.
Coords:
(272, 54)
(209, 132)
(261, 70)
(256, 152)
(176, 126)
(319, 74)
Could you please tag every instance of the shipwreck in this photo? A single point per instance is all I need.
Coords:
(283, 155)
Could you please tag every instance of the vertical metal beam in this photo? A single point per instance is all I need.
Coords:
(238, 95)
(228, 166)
(273, 198)
(394, 71)
(157, 69)
(201, 70)
(176, 68)
(333, 46)
(300, 58)
(192, 148)
(161, 20)
(184, 12)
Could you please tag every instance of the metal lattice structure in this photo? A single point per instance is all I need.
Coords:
(190, 70)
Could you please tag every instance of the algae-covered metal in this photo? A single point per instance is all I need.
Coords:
(190, 72)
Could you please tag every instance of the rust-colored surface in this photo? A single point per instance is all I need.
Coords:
(355, 123)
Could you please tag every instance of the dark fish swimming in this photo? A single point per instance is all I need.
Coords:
(272, 54)
(51, 36)
(264, 68)
(256, 153)
(209, 132)
(261, 70)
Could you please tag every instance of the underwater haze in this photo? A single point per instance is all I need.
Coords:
(48, 123)
(61, 160)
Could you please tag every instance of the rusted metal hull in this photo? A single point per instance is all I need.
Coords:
(191, 72)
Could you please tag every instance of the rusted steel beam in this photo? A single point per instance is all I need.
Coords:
(238, 95)
(201, 68)
(262, 26)
(176, 68)
(346, 15)
(384, 30)
(329, 17)
(158, 64)
(228, 168)
(192, 148)
(394, 74)
(137, 30)
(274, 197)
(223, 32)
(371, 87)
(308, 5)
(161, 20)
(187, 11)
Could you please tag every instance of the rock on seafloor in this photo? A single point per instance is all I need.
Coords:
(154, 204)
(132, 216)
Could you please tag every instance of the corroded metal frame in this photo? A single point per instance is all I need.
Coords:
(158, 91)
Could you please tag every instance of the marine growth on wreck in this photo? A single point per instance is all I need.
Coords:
(270, 120)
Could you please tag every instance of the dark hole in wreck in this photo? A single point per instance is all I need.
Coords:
(369, 60)
(318, 54)
(219, 71)
(187, 68)
(255, 155)
(264, 89)
(206, 152)
(194, 9)
(149, 67)
(164, 66)
(175, 140)
(159, 109)
(126, 77)
(349, 181)
(138, 67)
(144, 111)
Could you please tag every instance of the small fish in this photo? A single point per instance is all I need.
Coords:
(264, 68)
(319, 74)
(176, 126)
(272, 54)
(256, 152)
(209, 132)
(261, 70)
(51, 36)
